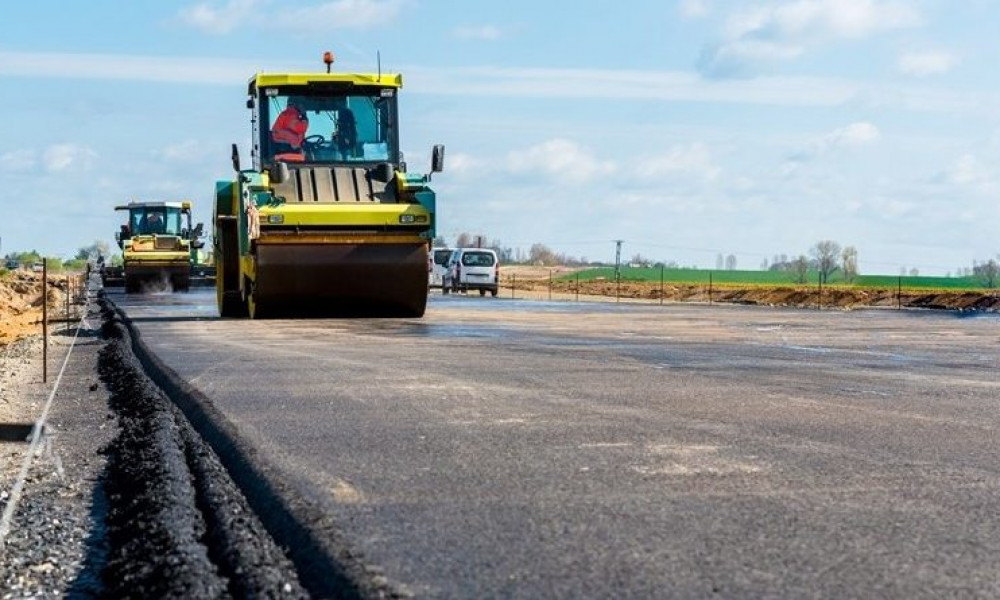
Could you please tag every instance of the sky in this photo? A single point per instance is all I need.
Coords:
(687, 128)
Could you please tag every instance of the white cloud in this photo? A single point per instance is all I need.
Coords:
(689, 159)
(855, 134)
(892, 208)
(222, 18)
(464, 164)
(126, 67)
(219, 19)
(562, 158)
(694, 9)
(341, 14)
(17, 161)
(773, 32)
(968, 170)
(616, 84)
(824, 18)
(624, 84)
(922, 64)
(740, 57)
(186, 152)
(487, 33)
(64, 157)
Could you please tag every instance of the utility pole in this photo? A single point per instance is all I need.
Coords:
(618, 259)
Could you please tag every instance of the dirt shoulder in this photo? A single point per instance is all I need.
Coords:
(53, 548)
(21, 303)
(533, 282)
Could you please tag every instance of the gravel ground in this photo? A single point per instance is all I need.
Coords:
(53, 548)
(123, 499)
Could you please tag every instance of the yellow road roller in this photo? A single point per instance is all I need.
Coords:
(327, 221)
(158, 243)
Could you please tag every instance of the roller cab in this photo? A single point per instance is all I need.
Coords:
(327, 222)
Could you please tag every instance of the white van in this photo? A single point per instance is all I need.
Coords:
(437, 260)
(472, 269)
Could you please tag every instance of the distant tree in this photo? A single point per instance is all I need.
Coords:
(439, 242)
(464, 240)
(849, 263)
(719, 262)
(504, 254)
(54, 264)
(75, 264)
(827, 256)
(988, 273)
(914, 272)
(540, 254)
(91, 252)
(25, 258)
(731, 262)
(763, 264)
(639, 260)
(800, 268)
(781, 263)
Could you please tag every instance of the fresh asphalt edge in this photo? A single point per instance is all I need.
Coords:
(153, 525)
(326, 567)
(178, 526)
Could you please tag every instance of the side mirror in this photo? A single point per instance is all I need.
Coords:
(236, 158)
(199, 230)
(382, 172)
(279, 172)
(437, 159)
(250, 102)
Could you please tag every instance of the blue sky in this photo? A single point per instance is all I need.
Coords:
(686, 128)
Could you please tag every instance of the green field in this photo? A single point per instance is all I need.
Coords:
(701, 276)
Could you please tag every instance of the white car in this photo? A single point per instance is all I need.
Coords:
(437, 265)
(472, 269)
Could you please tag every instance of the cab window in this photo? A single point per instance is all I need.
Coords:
(354, 128)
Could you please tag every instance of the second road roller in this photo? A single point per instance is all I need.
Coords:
(326, 221)
(159, 247)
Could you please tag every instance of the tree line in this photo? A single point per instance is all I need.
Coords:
(86, 254)
(825, 257)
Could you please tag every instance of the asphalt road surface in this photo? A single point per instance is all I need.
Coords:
(502, 448)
